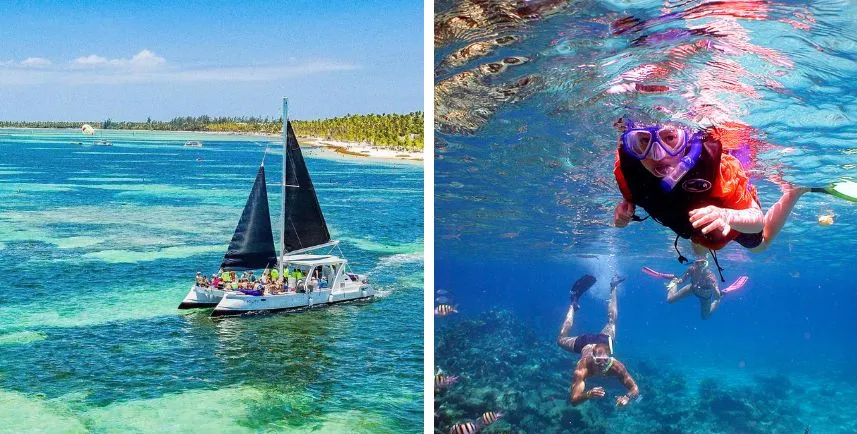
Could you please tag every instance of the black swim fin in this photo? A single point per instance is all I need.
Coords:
(580, 287)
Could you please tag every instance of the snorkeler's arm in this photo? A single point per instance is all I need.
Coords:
(713, 218)
(748, 221)
(626, 379)
(578, 386)
(623, 213)
(684, 276)
(625, 208)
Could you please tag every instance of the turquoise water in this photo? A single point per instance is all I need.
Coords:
(526, 94)
(101, 245)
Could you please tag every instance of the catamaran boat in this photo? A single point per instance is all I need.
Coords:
(193, 144)
(309, 280)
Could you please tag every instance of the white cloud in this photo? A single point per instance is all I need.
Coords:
(146, 58)
(148, 67)
(35, 61)
(143, 59)
(90, 60)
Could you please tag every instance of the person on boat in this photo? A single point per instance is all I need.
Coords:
(298, 273)
(200, 279)
(596, 350)
(700, 282)
(215, 281)
(685, 181)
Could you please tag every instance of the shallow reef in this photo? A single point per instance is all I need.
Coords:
(503, 365)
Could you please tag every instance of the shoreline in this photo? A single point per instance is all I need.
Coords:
(357, 151)
(327, 148)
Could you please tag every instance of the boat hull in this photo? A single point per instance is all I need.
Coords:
(201, 297)
(234, 303)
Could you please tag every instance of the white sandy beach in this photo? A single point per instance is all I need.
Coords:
(360, 150)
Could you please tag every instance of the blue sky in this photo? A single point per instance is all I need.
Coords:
(124, 60)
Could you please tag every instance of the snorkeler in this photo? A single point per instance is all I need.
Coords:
(685, 182)
(702, 284)
(596, 350)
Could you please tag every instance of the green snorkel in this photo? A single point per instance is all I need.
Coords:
(609, 365)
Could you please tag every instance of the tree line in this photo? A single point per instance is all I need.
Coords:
(399, 131)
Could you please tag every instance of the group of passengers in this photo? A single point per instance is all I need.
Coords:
(270, 283)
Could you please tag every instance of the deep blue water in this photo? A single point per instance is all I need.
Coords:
(100, 245)
(525, 198)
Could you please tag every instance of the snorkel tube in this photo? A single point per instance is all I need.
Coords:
(687, 162)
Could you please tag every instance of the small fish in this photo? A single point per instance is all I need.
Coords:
(442, 292)
(465, 428)
(510, 235)
(444, 381)
(442, 300)
(807, 430)
(444, 310)
(490, 417)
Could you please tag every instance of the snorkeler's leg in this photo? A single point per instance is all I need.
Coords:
(675, 294)
(565, 341)
(707, 307)
(777, 216)
(612, 312)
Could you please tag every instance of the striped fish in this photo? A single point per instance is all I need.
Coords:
(443, 381)
(490, 417)
(444, 310)
(465, 428)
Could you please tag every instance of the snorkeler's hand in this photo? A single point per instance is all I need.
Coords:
(710, 218)
(623, 213)
(595, 393)
(622, 401)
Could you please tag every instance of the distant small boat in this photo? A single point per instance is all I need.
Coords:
(103, 143)
(193, 144)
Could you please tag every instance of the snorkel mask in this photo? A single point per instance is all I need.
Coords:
(603, 362)
(658, 142)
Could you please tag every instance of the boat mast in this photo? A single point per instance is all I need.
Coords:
(283, 196)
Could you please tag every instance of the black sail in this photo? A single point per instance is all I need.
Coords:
(252, 245)
(304, 224)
